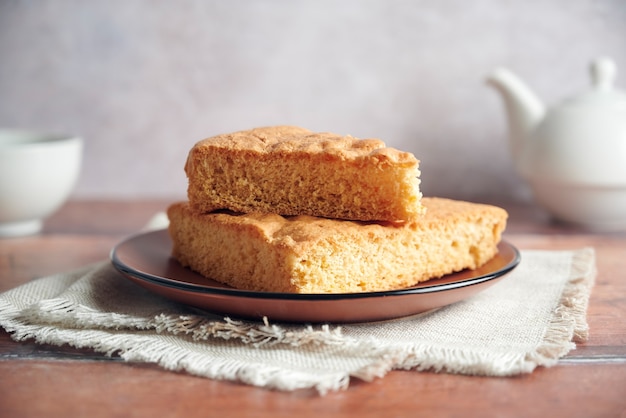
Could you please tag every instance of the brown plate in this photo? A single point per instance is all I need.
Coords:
(145, 259)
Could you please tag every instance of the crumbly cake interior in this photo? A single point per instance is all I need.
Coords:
(293, 171)
(305, 254)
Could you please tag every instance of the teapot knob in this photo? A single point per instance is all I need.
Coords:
(603, 72)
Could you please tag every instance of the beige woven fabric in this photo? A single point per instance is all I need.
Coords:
(531, 318)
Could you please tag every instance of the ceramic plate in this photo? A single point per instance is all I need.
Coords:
(145, 259)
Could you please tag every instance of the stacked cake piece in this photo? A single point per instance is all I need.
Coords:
(284, 209)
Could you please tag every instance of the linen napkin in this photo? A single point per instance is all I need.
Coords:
(531, 318)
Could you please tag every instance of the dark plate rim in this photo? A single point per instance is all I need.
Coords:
(423, 288)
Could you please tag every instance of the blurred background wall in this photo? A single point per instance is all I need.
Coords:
(143, 80)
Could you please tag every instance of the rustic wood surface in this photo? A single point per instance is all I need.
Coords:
(49, 381)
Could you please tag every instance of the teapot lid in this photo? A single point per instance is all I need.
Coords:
(602, 93)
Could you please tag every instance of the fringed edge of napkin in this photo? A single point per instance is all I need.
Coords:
(569, 321)
(112, 341)
(252, 333)
(175, 358)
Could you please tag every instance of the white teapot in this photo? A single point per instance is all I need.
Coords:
(572, 155)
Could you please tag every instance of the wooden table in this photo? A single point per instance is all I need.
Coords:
(48, 381)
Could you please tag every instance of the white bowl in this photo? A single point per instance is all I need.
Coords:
(37, 174)
(595, 207)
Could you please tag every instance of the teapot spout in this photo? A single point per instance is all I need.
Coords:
(524, 110)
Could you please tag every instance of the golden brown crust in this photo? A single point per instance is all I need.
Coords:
(304, 254)
(292, 171)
